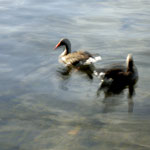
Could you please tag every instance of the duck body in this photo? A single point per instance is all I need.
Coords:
(116, 79)
(77, 58)
(121, 77)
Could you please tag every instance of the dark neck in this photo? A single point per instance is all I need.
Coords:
(130, 66)
(67, 49)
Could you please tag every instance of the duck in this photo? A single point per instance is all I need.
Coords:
(116, 78)
(77, 58)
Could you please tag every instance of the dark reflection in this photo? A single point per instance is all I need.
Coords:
(88, 70)
(65, 72)
(130, 105)
(110, 103)
(113, 90)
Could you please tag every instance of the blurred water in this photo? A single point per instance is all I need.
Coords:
(40, 109)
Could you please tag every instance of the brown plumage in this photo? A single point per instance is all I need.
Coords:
(77, 58)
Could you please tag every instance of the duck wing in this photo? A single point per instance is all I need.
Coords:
(75, 58)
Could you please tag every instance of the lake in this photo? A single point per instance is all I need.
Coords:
(42, 110)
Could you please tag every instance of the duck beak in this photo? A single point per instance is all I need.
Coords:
(57, 46)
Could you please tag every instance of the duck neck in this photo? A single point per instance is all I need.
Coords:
(67, 50)
(130, 66)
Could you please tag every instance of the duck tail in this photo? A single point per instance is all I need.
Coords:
(93, 59)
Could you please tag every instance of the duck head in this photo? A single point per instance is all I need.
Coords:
(65, 43)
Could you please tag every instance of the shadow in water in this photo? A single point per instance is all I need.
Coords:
(116, 88)
(66, 72)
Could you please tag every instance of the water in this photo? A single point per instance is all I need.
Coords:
(39, 109)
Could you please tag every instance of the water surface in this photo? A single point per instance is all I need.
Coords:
(39, 109)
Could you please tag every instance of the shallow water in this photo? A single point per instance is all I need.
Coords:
(39, 109)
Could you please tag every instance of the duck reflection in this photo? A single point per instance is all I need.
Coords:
(112, 91)
(117, 78)
(66, 72)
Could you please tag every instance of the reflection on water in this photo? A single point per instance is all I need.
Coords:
(44, 107)
(86, 69)
(65, 74)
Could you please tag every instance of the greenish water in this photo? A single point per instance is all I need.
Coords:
(41, 110)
